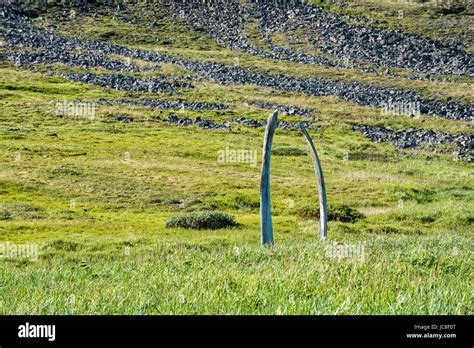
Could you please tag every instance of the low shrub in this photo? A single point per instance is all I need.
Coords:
(202, 220)
(288, 151)
(450, 7)
(336, 212)
(5, 215)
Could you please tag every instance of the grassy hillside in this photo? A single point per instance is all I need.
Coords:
(94, 194)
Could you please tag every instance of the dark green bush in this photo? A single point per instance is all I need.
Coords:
(202, 220)
(336, 212)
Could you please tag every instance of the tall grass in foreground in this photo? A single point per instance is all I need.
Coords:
(399, 275)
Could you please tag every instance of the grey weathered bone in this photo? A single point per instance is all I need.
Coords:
(323, 206)
(266, 228)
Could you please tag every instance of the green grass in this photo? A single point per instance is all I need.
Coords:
(95, 195)
(214, 275)
(201, 220)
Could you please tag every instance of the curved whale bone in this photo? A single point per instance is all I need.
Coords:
(323, 205)
(266, 227)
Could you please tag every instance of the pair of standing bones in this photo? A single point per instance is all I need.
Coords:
(266, 228)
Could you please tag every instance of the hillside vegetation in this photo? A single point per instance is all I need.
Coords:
(169, 95)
